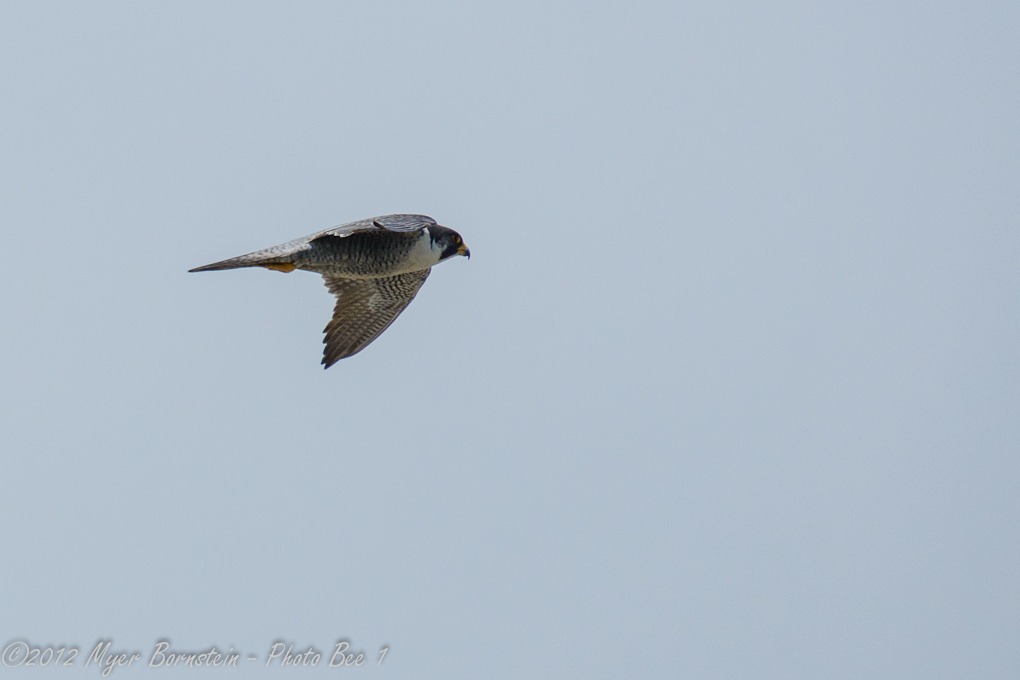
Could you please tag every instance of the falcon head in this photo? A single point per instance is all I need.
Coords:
(448, 242)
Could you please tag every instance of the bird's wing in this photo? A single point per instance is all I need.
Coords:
(364, 309)
(400, 224)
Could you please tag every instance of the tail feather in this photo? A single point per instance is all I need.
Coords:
(232, 263)
(281, 258)
(251, 260)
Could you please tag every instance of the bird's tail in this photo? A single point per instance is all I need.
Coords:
(280, 258)
(250, 260)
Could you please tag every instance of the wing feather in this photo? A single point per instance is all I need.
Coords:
(408, 224)
(364, 309)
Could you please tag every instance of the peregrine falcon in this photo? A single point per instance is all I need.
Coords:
(374, 267)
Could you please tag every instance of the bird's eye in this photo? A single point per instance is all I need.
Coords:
(456, 239)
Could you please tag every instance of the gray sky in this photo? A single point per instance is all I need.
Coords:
(729, 388)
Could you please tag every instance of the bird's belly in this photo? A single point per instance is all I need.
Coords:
(354, 258)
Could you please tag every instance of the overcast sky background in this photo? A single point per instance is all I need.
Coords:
(729, 388)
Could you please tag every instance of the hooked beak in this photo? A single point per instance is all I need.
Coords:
(463, 250)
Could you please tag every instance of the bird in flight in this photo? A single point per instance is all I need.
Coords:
(374, 267)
